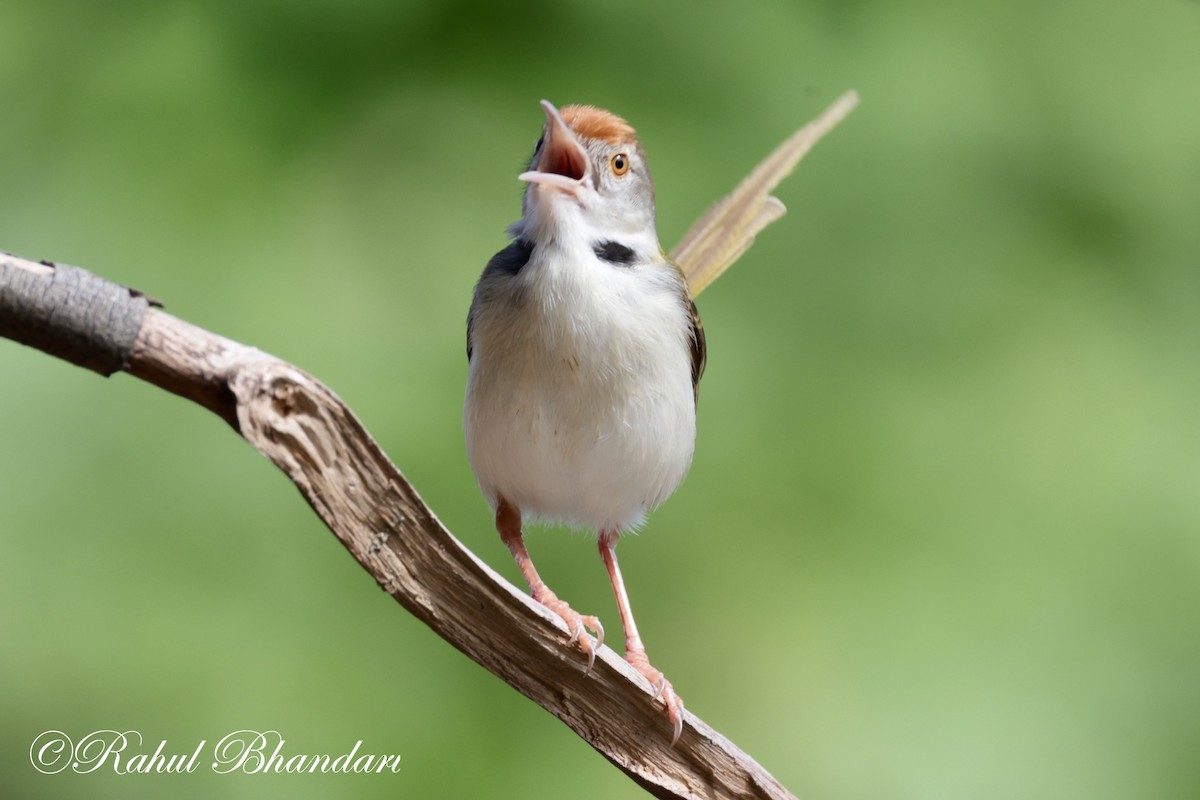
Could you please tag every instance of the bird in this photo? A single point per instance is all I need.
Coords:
(585, 352)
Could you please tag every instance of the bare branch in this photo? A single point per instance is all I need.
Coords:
(303, 428)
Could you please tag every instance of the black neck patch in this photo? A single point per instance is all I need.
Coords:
(511, 259)
(614, 253)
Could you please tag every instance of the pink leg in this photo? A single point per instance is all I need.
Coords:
(508, 523)
(635, 651)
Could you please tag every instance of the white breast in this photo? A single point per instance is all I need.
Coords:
(580, 404)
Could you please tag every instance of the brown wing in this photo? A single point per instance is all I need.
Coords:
(699, 347)
(508, 262)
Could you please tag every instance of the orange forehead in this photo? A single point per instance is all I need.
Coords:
(596, 123)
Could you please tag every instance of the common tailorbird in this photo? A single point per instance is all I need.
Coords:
(585, 353)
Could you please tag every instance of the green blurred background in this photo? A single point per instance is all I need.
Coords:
(942, 535)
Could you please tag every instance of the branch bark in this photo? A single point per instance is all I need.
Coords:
(306, 431)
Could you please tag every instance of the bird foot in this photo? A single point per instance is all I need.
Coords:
(662, 688)
(578, 624)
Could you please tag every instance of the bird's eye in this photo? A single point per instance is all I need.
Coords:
(619, 164)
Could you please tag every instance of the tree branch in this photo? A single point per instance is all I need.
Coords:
(307, 432)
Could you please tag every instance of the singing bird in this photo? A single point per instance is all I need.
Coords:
(585, 353)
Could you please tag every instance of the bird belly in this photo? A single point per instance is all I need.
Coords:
(590, 426)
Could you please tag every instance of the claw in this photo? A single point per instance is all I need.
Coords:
(662, 689)
(675, 715)
(594, 623)
(578, 625)
(674, 706)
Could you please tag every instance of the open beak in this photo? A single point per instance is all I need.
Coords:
(563, 164)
